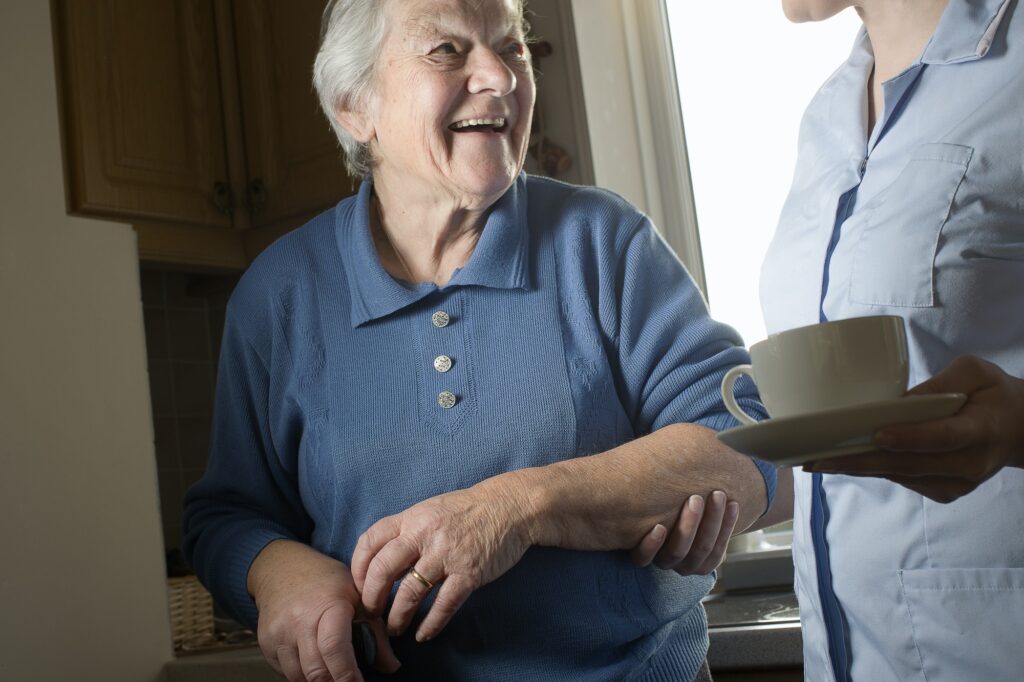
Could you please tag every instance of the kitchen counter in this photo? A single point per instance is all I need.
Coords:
(754, 630)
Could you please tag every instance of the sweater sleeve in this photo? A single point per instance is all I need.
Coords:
(672, 354)
(249, 495)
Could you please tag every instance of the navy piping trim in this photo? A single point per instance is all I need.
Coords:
(835, 621)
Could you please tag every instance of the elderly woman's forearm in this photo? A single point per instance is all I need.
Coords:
(611, 500)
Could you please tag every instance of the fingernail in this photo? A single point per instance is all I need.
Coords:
(659, 532)
(420, 637)
(718, 496)
(696, 503)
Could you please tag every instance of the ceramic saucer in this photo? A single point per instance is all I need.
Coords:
(833, 433)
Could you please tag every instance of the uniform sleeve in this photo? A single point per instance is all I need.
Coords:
(672, 354)
(249, 495)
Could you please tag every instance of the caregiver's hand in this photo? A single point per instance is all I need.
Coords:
(307, 602)
(698, 540)
(453, 543)
(947, 458)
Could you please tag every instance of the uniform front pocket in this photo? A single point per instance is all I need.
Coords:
(966, 621)
(894, 259)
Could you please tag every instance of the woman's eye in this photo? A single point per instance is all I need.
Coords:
(444, 48)
(516, 50)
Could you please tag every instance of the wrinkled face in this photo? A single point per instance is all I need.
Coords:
(452, 98)
(813, 10)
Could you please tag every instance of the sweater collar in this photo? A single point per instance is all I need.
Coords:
(500, 259)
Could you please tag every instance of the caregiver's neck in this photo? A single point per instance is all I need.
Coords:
(899, 30)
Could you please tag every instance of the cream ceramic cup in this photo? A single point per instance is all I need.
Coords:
(824, 367)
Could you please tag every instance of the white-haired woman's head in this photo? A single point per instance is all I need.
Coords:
(352, 35)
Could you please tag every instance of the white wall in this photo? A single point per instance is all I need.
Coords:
(82, 589)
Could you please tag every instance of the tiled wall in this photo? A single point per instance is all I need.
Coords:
(184, 318)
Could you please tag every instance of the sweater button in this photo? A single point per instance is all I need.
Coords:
(446, 399)
(442, 363)
(440, 319)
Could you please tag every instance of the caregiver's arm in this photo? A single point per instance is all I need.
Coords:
(945, 459)
(698, 541)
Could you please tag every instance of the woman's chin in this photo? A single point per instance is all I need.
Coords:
(488, 181)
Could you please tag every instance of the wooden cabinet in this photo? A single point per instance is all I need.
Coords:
(195, 120)
(285, 131)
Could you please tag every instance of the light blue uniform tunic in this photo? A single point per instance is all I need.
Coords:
(923, 219)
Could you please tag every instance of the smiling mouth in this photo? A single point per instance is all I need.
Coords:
(480, 125)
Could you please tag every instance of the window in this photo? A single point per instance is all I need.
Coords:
(744, 78)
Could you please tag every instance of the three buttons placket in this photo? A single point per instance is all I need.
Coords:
(443, 363)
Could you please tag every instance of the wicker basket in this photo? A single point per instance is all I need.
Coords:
(191, 614)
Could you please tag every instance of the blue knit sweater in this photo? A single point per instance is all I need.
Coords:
(572, 329)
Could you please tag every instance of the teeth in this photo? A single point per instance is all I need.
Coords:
(493, 122)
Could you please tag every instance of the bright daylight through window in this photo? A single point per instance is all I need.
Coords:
(745, 76)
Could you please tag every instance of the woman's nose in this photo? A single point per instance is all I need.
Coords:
(490, 74)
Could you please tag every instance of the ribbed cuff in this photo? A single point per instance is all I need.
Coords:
(246, 553)
(227, 566)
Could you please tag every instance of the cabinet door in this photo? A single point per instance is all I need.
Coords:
(294, 163)
(143, 129)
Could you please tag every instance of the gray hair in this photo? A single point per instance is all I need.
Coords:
(351, 35)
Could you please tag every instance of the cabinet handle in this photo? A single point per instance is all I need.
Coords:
(222, 197)
(257, 195)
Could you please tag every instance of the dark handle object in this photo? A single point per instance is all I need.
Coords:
(364, 643)
(257, 195)
(222, 197)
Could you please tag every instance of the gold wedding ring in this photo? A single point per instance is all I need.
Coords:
(423, 581)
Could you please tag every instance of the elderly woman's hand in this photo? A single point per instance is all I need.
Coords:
(698, 540)
(307, 602)
(454, 542)
(947, 458)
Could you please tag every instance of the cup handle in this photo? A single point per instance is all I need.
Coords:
(730, 399)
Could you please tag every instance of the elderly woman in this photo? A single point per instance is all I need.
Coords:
(474, 384)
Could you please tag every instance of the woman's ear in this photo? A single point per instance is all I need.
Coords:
(357, 122)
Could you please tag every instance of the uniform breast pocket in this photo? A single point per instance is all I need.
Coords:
(966, 622)
(894, 258)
